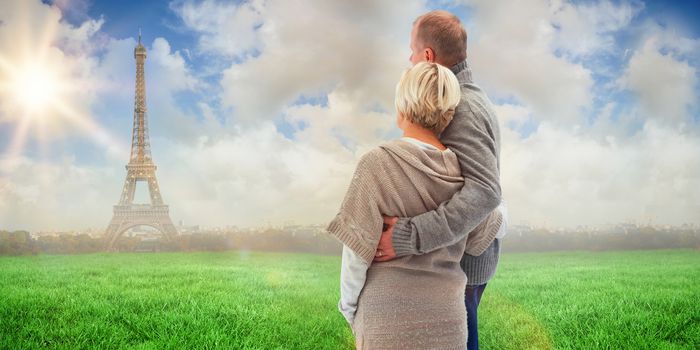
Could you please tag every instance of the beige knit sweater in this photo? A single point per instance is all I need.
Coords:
(414, 302)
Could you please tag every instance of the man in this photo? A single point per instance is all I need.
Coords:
(474, 135)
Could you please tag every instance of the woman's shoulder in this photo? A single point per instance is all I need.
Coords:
(374, 156)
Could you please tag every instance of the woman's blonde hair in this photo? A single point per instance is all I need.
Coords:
(427, 95)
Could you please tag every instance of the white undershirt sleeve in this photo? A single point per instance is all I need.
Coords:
(353, 274)
(504, 222)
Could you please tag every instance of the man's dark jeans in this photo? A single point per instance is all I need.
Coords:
(472, 297)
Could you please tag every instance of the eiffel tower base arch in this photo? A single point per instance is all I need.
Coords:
(128, 216)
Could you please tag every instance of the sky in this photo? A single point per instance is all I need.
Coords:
(259, 110)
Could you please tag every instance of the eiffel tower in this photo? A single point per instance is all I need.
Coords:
(140, 168)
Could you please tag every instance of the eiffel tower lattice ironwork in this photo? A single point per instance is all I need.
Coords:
(127, 214)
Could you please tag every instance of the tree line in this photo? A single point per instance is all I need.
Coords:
(22, 243)
(541, 240)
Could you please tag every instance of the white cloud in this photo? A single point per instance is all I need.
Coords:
(60, 195)
(586, 29)
(666, 87)
(225, 28)
(254, 177)
(512, 57)
(559, 177)
(76, 9)
(358, 49)
(341, 125)
(670, 37)
(512, 116)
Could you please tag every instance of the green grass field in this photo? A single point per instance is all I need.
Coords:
(232, 300)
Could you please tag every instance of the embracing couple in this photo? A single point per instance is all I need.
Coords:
(422, 218)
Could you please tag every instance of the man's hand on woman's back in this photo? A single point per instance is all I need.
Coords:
(385, 249)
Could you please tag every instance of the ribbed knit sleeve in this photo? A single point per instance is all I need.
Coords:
(358, 224)
(482, 236)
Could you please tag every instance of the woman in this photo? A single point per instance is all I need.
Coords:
(413, 302)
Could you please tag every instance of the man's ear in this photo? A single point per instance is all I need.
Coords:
(429, 55)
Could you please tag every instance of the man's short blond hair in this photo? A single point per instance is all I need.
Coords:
(427, 95)
(443, 32)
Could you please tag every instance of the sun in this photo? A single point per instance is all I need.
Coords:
(35, 88)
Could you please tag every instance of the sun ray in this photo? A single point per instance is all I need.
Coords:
(92, 129)
(18, 139)
(45, 40)
(42, 137)
(4, 64)
(24, 20)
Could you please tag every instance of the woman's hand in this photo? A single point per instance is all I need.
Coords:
(385, 249)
